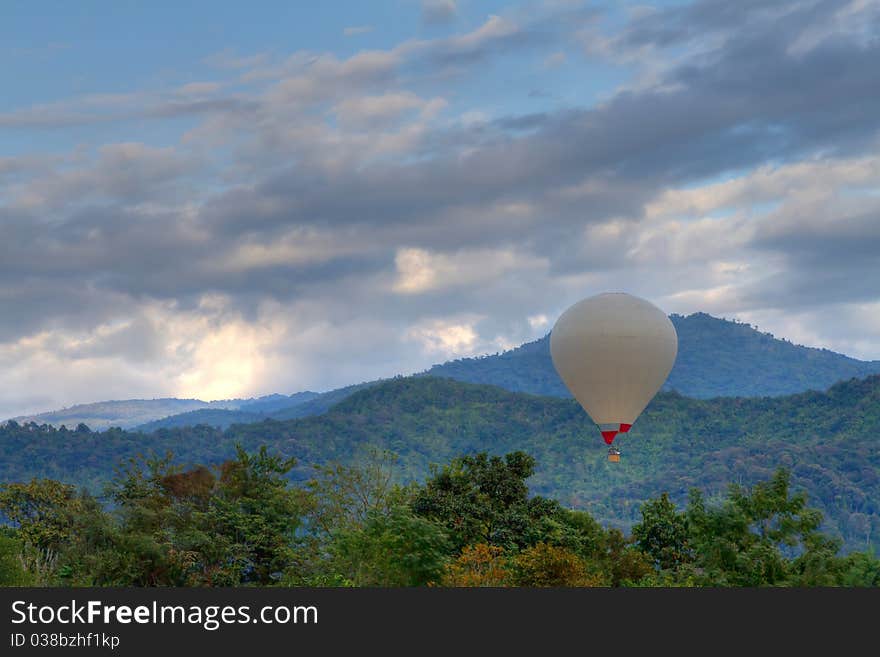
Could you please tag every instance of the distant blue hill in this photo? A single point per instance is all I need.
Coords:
(302, 404)
(129, 413)
(716, 358)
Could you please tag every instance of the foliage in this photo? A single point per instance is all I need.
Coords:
(478, 565)
(545, 565)
(662, 533)
(484, 499)
(397, 548)
(12, 571)
(175, 527)
(44, 510)
(473, 523)
(343, 496)
(826, 440)
(759, 536)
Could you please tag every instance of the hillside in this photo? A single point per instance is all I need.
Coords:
(129, 413)
(830, 440)
(298, 405)
(716, 358)
(125, 413)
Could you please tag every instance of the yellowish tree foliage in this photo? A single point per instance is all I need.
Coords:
(478, 565)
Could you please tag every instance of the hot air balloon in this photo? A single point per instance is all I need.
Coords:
(613, 351)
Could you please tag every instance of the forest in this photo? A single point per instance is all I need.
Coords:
(471, 523)
(828, 442)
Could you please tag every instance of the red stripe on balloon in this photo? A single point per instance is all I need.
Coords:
(625, 427)
(609, 436)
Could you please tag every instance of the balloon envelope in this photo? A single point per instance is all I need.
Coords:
(613, 351)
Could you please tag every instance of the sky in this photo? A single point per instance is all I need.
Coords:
(224, 199)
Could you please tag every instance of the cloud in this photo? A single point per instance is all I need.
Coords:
(421, 271)
(445, 338)
(439, 12)
(538, 322)
(373, 111)
(325, 219)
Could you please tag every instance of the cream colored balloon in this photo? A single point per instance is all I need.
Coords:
(613, 351)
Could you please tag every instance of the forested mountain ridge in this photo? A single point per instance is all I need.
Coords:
(829, 440)
(716, 358)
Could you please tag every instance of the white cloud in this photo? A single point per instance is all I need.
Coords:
(330, 218)
(538, 322)
(420, 270)
(445, 338)
(385, 109)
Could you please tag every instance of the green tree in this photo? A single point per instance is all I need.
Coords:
(860, 569)
(743, 542)
(44, 510)
(396, 548)
(663, 534)
(483, 499)
(199, 528)
(342, 496)
(12, 572)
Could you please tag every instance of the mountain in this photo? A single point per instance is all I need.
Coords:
(129, 413)
(829, 440)
(716, 358)
(297, 405)
(124, 413)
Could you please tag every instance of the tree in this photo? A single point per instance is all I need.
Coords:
(396, 548)
(44, 510)
(12, 572)
(860, 569)
(483, 499)
(478, 565)
(342, 496)
(201, 528)
(741, 542)
(624, 563)
(548, 565)
(254, 515)
(663, 534)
